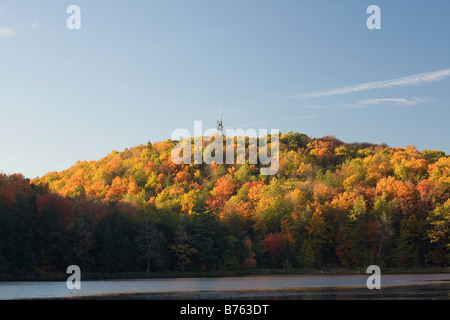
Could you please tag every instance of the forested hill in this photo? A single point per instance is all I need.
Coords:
(330, 203)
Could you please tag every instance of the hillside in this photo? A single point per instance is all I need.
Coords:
(331, 202)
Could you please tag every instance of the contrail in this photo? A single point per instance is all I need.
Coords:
(414, 80)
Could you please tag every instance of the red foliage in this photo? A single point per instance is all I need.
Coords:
(49, 204)
(12, 185)
(274, 243)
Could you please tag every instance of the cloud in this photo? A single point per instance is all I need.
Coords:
(6, 32)
(313, 106)
(397, 101)
(414, 80)
(349, 105)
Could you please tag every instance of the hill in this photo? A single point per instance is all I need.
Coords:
(351, 204)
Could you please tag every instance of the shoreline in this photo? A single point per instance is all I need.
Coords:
(92, 276)
(437, 291)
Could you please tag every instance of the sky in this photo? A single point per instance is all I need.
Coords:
(138, 70)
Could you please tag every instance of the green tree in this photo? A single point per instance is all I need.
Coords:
(408, 242)
(6, 246)
(208, 236)
(52, 238)
(272, 207)
(243, 173)
(296, 140)
(307, 256)
(115, 237)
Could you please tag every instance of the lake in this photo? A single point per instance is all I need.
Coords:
(326, 286)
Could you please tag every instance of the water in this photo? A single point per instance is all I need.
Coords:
(353, 286)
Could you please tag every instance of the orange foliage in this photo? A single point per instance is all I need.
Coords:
(321, 150)
(225, 187)
(117, 190)
(344, 201)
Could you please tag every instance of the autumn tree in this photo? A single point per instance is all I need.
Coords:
(182, 249)
(355, 203)
(383, 214)
(439, 234)
(223, 190)
(274, 244)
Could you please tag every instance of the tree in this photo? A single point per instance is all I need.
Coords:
(360, 203)
(359, 208)
(149, 241)
(272, 207)
(82, 237)
(383, 214)
(182, 249)
(408, 242)
(117, 190)
(115, 237)
(17, 229)
(225, 187)
(243, 173)
(208, 238)
(307, 256)
(52, 222)
(439, 234)
(296, 140)
(192, 201)
(322, 151)
(274, 244)
(249, 261)
(7, 248)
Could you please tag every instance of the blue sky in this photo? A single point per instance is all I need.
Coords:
(138, 70)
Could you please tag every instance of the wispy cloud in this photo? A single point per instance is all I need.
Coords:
(314, 106)
(349, 105)
(396, 101)
(414, 80)
(6, 32)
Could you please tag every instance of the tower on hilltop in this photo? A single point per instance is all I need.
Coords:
(220, 124)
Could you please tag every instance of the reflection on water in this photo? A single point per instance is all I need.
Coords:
(405, 286)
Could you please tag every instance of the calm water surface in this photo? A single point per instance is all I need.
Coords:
(272, 284)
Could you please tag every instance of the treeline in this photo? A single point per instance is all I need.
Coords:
(330, 203)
